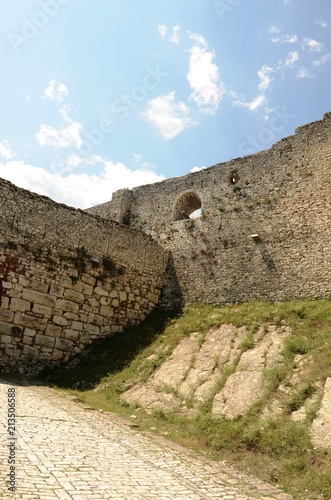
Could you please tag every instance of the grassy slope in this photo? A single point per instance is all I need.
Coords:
(278, 451)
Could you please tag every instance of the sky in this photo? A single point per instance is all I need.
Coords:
(100, 95)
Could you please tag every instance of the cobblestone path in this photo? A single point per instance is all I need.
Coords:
(65, 451)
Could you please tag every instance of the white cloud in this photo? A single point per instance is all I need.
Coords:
(322, 23)
(290, 39)
(322, 60)
(6, 151)
(273, 29)
(78, 190)
(278, 38)
(265, 79)
(171, 34)
(203, 76)
(197, 169)
(252, 105)
(170, 117)
(65, 137)
(174, 37)
(162, 31)
(303, 73)
(292, 58)
(312, 45)
(55, 91)
(138, 159)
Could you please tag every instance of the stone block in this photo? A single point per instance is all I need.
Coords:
(67, 305)
(71, 335)
(6, 316)
(92, 329)
(77, 325)
(44, 340)
(106, 311)
(57, 355)
(101, 291)
(44, 311)
(74, 296)
(6, 339)
(29, 333)
(56, 290)
(71, 316)
(64, 345)
(31, 352)
(43, 299)
(53, 331)
(59, 320)
(87, 290)
(32, 322)
(5, 328)
(27, 282)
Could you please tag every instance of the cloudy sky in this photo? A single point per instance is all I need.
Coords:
(97, 95)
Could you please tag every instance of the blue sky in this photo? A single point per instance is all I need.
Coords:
(98, 95)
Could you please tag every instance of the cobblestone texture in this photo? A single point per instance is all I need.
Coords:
(65, 451)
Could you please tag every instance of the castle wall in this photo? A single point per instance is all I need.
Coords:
(67, 278)
(282, 196)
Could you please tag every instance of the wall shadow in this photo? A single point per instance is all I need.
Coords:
(267, 257)
(107, 356)
(171, 295)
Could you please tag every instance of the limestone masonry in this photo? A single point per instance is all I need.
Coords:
(265, 228)
(69, 277)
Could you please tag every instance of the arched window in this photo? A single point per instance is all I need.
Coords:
(186, 205)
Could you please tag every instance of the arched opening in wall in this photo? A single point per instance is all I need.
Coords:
(187, 206)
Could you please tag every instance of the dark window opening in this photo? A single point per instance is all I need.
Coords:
(187, 206)
(233, 178)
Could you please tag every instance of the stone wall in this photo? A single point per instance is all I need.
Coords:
(68, 278)
(264, 230)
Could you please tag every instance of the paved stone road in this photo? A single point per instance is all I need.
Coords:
(65, 451)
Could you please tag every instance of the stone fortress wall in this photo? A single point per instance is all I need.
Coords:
(67, 278)
(265, 229)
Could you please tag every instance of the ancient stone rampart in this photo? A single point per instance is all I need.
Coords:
(68, 278)
(265, 229)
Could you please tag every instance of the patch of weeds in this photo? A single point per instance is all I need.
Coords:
(111, 268)
(296, 345)
(274, 376)
(300, 396)
(247, 342)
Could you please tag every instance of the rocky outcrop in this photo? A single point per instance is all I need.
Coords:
(321, 428)
(226, 367)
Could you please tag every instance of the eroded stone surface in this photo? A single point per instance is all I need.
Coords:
(321, 428)
(190, 376)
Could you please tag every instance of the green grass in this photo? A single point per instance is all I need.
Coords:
(278, 450)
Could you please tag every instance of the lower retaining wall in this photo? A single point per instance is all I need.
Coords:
(57, 296)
